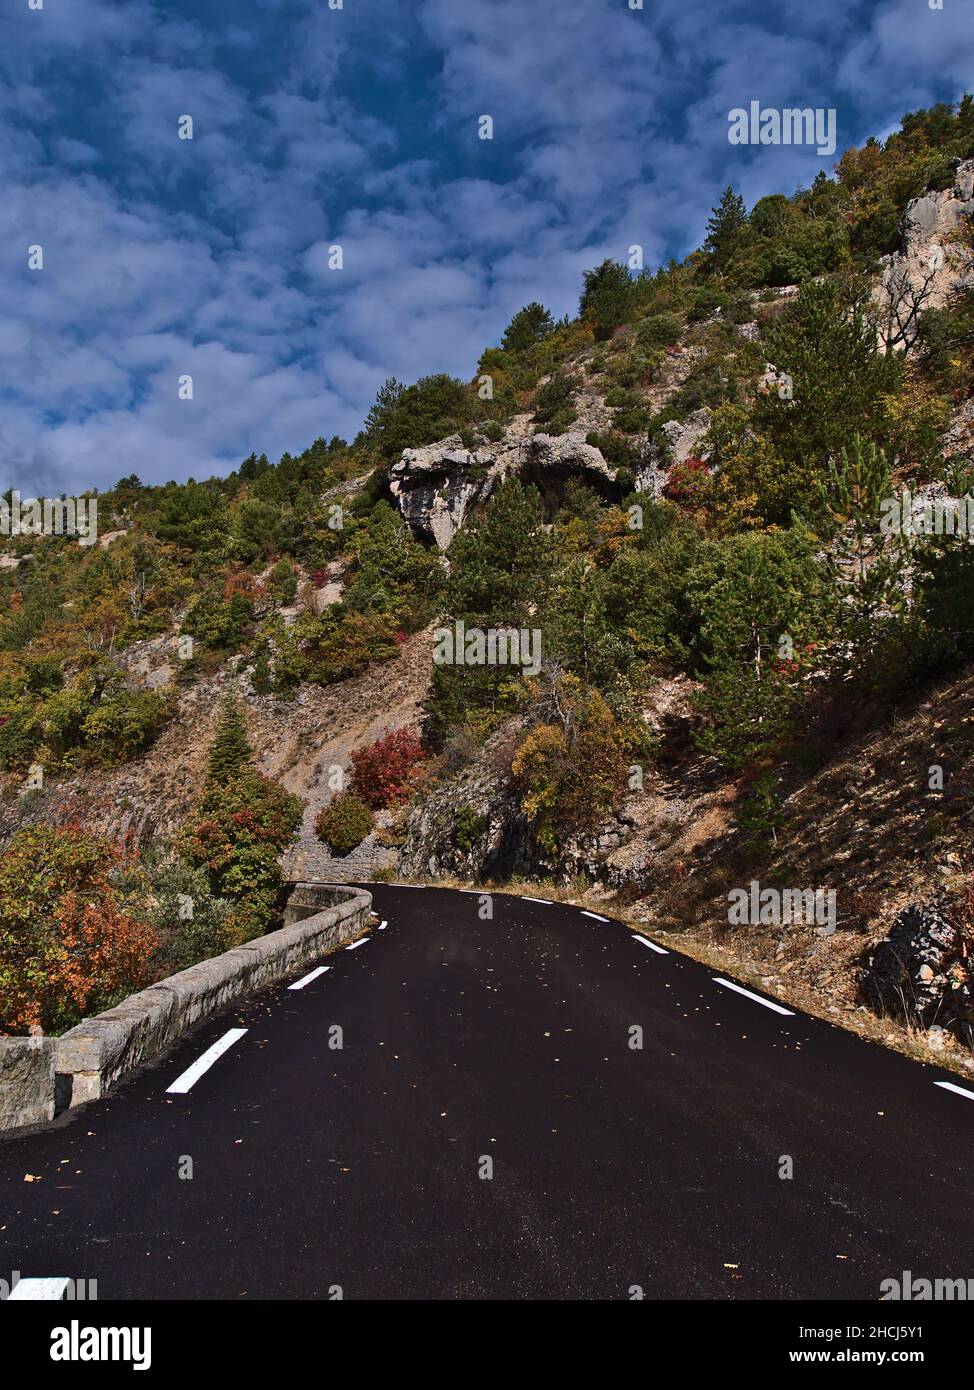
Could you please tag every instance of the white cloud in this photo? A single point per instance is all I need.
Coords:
(316, 126)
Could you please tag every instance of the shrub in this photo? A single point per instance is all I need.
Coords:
(63, 717)
(190, 922)
(386, 771)
(283, 582)
(217, 622)
(19, 736)
(570, 778)
(659, 330)
(688, 482)
(68, 942)
(555, 403)
(339, 644)
(237, 834)
(344, 823)
(124, 724)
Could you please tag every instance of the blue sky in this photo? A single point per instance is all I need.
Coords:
(358, 126)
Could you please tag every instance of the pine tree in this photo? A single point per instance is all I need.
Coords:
(868, 566)
(727, 221)
(606, 300)
(230, 750)
(528, 326)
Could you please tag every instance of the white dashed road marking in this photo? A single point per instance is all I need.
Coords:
(739, 989)
(212, 1054)
(300, 984)
(660, 950)
(595, 915)
(364, 942)
(949, 1086)
(383, 925)
(546, 901)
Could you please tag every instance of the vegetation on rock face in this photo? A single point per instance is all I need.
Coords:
(344, 823)
(571, 773)
(468, 828)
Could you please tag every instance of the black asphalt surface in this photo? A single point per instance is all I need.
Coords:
(508, 1039)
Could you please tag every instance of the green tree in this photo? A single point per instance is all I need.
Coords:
(502, 563)
(230, 750)
(607, 297)
(758, 601)
(502, 567)
(866, 561)
(833, 380)
(237, 833)
(725, 226)
(406, 417)
(528, 326)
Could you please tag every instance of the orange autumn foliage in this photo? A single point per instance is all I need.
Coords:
(68, 941)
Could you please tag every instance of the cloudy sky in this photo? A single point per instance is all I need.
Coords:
(358, 126)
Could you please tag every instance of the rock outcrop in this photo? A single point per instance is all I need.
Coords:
(933, 261)
(920, 970)
(470, 825)
(437, 487)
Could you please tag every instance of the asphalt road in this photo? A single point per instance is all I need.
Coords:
(363, 1167)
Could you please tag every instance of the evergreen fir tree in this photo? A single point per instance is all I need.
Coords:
(727, 221)
(230, 750)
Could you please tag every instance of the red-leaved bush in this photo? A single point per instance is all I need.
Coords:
(386, 772)
(687, 480)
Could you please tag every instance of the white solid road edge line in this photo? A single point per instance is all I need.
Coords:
(51, 1290)
(949, 1086)
(212, 1054)
(660, 950)
(739, 989)
(363, 942)
(595, 915)
(546, 901)
(306, 979)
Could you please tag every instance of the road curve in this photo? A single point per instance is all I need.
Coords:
(615, 1169)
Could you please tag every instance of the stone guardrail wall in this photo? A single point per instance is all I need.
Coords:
(27, 1070)
(40, 1076)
